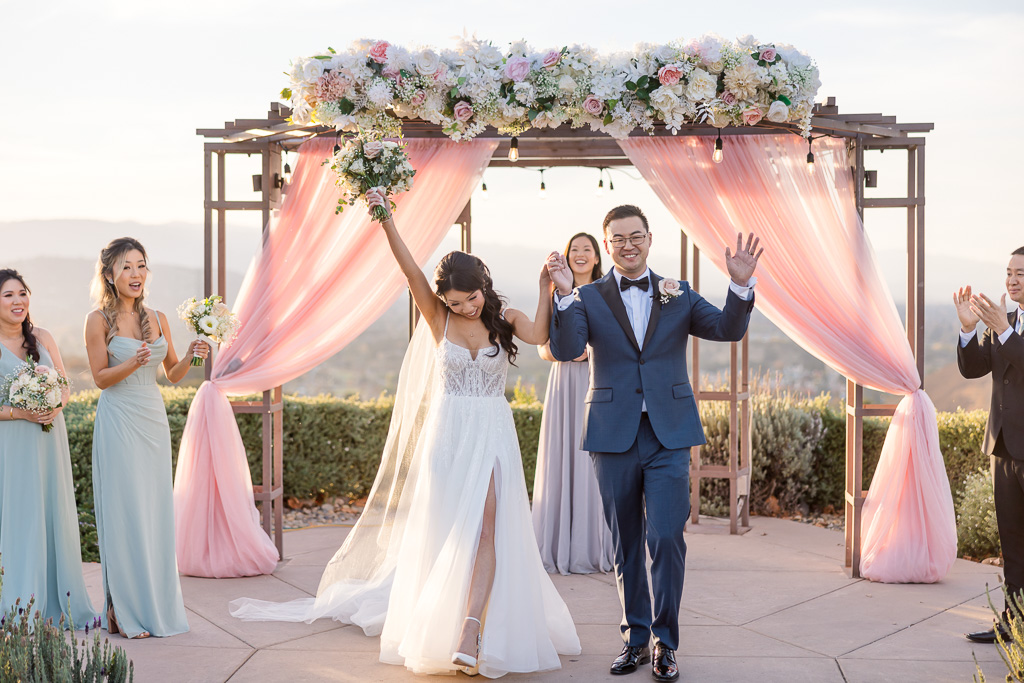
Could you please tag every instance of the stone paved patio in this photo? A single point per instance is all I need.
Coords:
(772, 605)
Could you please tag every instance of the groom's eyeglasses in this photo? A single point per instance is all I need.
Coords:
(635, 240)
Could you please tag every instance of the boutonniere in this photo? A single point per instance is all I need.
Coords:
(668, 289)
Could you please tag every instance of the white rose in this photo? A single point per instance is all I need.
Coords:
(716, 67)
(663, 99)
(390, 144)
(54, 397)
(566, 83)
(312, 69)
(793, 57)
(428, 62)
(665, 53)
(702, 86)
(778, 112)
(357, 168)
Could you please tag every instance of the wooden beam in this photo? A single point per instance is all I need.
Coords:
(889, 202)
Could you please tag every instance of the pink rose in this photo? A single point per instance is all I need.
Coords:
(728, 98)
(767, 54)
(442, 69)
(751, 116)
(517, 68)
(379, 51)
(372, 148)
(593, 106)
(551, 58)
(392, 72)
(42, 370)
(418, 98)
(463, 111)
(669, 74)
(669, 289)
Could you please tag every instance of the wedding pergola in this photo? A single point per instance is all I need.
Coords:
(271, 136)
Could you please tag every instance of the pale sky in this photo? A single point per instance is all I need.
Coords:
(102, 99)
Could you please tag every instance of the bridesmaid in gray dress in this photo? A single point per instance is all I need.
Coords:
(568, 518)
(131, 449)
(40, 548)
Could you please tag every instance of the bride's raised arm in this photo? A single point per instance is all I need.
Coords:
(534, 331)
(429, 305)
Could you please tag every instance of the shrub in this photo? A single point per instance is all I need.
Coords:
(977, 533)
(34, 649)
(332, 447)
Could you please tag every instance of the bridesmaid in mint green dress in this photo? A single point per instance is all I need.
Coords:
(131, 450)
(40, 548)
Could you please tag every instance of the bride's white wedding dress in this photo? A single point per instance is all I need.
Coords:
(405, 571)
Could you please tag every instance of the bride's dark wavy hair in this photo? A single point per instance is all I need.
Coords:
(31, 344)
(466, 273)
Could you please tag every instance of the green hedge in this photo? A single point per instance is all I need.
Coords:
(332, 446)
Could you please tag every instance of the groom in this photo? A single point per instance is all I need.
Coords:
(641, 418)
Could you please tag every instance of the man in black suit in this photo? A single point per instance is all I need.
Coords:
(1000, 352)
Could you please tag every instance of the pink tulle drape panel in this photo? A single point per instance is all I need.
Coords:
(318, 282)
(818, 281)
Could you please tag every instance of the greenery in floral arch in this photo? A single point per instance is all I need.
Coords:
(375, 84)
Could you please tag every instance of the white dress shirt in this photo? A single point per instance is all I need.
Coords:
(965, 337)
(638, 304)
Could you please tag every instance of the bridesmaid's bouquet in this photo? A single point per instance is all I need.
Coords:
(211, 319)
(367, 162)
(36, 388)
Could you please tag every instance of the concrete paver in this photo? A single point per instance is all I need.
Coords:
(771, 605)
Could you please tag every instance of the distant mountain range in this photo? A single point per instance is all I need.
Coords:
(58, 260)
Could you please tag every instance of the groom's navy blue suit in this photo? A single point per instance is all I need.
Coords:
(642, 458)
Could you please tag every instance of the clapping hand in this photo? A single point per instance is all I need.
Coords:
(990, 313)
(968, 318)
(561, 275)
(375, 197)
(741, 265)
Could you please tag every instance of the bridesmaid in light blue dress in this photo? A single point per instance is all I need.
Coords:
(40, 548)
(131, 450)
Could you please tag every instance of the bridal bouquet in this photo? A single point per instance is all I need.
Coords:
(211, 320)
(36, 388)
(367, 162)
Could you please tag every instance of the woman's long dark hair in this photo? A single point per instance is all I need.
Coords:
(466, 273)
(31, 344)
(597, 273)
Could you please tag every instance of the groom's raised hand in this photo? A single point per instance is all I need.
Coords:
(561, 276)
(741, 265)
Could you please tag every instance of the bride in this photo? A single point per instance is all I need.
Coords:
(443, 562)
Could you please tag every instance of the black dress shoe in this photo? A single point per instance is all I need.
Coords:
(664, 667)
(988, 637)
(630, 659)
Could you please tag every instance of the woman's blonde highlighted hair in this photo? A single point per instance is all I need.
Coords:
(104, 291)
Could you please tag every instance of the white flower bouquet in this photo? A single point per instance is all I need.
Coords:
(366, 162)
(36, 388)
(211, 319)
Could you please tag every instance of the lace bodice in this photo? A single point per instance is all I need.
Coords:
(461, 375)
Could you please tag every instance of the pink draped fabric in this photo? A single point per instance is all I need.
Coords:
(818, 281)
(318, 282)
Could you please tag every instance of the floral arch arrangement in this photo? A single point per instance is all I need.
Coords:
(375, 84)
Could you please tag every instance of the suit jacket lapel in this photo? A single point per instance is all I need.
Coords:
(652, 322)
(609, 291)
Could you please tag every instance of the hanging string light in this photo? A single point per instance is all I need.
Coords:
(543, 187)
(513, 150)
(810, 157)
(719, 152)
(483, 190)
(600, 181)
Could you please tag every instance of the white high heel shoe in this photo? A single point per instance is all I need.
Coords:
(463, 659)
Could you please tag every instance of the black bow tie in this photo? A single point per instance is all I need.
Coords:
(625, 283)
